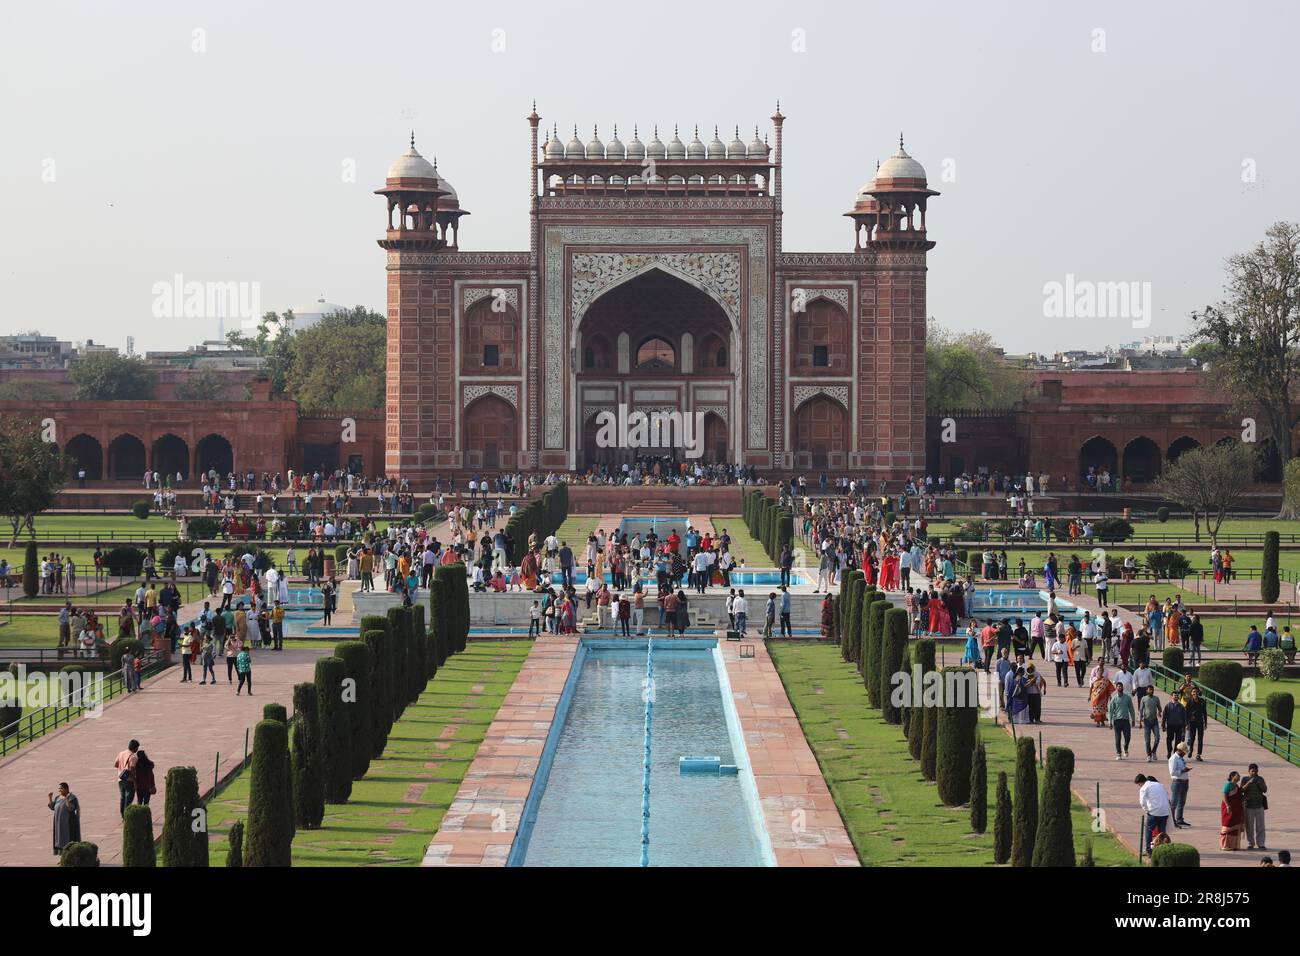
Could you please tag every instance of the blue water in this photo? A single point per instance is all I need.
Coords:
(590, 810)
(1017, 602)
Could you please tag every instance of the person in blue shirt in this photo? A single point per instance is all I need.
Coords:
(1271, 638)
(785, 613)
(1253, 644)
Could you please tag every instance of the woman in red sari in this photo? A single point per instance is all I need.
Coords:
(1232, 814)
(868, 568)
(1099, 692)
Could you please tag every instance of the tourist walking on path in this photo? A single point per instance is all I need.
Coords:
(67, 818)
(1179, 781)
(1100, 690)
(233, 646)
(143, 778)
(244, 668)
(126, 775)
(1121, 714)
(1232, 814)
(1254, 795)
(1197, 719)
(209, 657)
(1174, 721)
(1149, 711)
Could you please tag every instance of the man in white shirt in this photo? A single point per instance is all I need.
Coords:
(1153, 798)
(1143, 681)
(740, 608)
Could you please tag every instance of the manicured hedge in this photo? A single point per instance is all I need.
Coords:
(979, 789)
(923, 653)
(1002, 818)
(851, 609)
(80, 853)
(399, 623)
(957, 722)
(1222, 676)
(32, 570)
(875, 629)
(893, 641)
(235, 844)
(381, 714)
(183, 844)
(308, 781)
(1172, 658)
(137, 837)
(1054, 842)
(1281, 708)
(1176, 854)
(539, 518)
(270, 802)
(1024, 814)
(358, 664)
(336, 730)
(1269, 584)
(929, 742)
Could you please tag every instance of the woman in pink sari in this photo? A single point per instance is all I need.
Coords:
(1232, 814)
(1099, 691)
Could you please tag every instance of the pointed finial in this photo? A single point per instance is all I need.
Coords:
(616, 131)
(675, 131)
(635, 134)
(900, 142)
(412, 139)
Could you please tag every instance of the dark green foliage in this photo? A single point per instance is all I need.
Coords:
(398, 622)
(922, 654)
(929, 742)
(10, 714)
(1002, 821)
(1281, 708)
(415, 678)
(275, 712)
(1162, 514)
(184, 841)
(137, 837)
(875, 652)
(1172, 658)
(124, 561)
(358, 665)
(335, 730)
(1088, 859)
(1172, 565)
(850, 587)
(141, 510)
(118, 648)
(279, 713)
(1025, 810)
(439, 617)
(957, 727)
(538, 518)
(1176, 854)
(893, 642)
(979, 790)
(270, 802)
(427, 664)
(1054, 842)
(80, 853)
(32, 571)
(1222, 676)
(235, 844)
(1269, 584)
(380, 710)
(308, 779)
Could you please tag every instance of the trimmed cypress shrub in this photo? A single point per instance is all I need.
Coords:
(1162, 514)
(275, 712)
(842, 612)
(1088, 859)
(183, 844)
(270, 803)
(1222, 676)
(1269, 584)
(335, 730)
(850, 589)
(358, 664)
(235, 844)
(957, 721)
(1172, 658)
(428, 663)
(1024, 817)
(80, 853)
(1176, 854)
(308, 777)
(1002, 821)
(904, 711)
(32, 581)
(979, 789)
(460, 618)
(893, 642)
(875, 653)
(929, 741)
(137, 837)
(922, 654)
(398, 620)
(380, 711)
(415, 676)
(439, 611)
(1054, 842)
(1281, 708)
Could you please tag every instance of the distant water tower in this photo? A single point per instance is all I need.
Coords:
(130, 345)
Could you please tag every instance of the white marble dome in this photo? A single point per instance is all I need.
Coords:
(901, 166)
(411, 165)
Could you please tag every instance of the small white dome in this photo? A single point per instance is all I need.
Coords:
(676, 148)
(411, 165)
(901, 166)
(757, 148)
(595, 149)
(554, 148)
(574, 150)
(736, 148)
(656, 149)
(635, 148)
(452, 198)
(716, 150)
(614, 149)
(695, 149)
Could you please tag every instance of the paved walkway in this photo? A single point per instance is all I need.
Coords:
(1066, 723)
(177, 725)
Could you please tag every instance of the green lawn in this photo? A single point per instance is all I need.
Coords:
(893, 816)
(575, 530)
(743, 544)
(398, 806)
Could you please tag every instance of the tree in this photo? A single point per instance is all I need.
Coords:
(380, 709)
(1002, 821)
(1024, 815)
(308, 781)
(270, 803)
(891, 635)
(922, 655)
(32, 472)
(358, 663)
(851, 590)
(235, 844)
(1269, 585)
(1208, 482)
(110, 377)
(968, 371)
(957, 726)
(1291, 487)
(31, 570)
(1054, 842)
(929, 742)
(336, 730)
(979, 790)
(184, 837)
(28, 390)
(1256, 330)
(137, 837)
(203, 385)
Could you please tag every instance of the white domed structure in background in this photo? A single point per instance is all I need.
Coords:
(309, 313)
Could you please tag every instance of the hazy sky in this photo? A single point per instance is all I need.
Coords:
(1117, 142)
